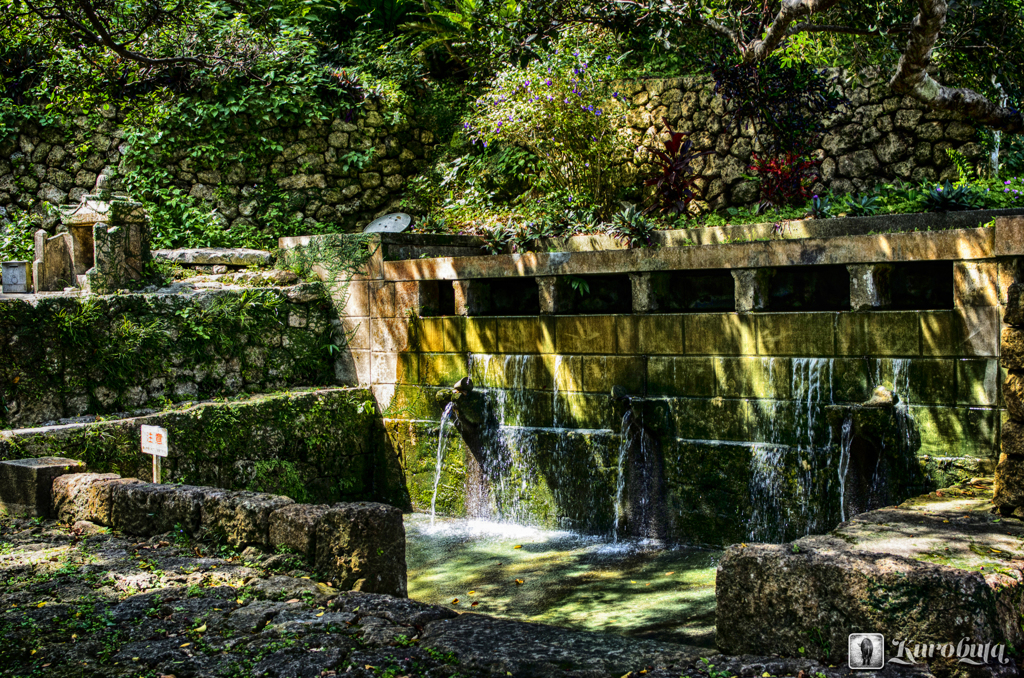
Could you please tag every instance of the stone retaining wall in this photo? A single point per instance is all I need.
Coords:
(360, 546)
(68, 356)
(880, 137)
(319, 446)
(1009, 489)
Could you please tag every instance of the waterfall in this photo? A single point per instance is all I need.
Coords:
(767, 476)
(442, 438)
(619, 509)
(844, 463)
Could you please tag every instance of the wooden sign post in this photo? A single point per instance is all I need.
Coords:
(154, 442)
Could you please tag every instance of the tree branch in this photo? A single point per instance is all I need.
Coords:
(912, 77)
(104, 38)
(778, 30)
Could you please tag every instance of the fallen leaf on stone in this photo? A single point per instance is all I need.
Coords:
(369, 668)
(239, 601)
(201, 629)
(474, 604)
(41, 604)
(45, 665)
(321, 614)
(668, 573)
(647, 584)
(185, 644)
(293, 600)
(455, 602)
(632, 581)
(519, 582)
(164, 543)
(303, 577)
(472, 592)
(518, 546)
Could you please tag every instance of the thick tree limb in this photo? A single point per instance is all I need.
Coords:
(912, 77)
(779, 29)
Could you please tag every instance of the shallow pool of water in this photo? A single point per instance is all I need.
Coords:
(633, 588)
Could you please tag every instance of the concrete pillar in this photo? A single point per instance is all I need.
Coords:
(555, 295)
(870, 288)
(416, 298)
(975, 283)
(752, 288)
(644, 300)
(472, 297)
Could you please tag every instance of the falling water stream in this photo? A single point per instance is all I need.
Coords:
(442, 438)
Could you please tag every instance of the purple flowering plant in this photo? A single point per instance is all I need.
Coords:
(560, 107)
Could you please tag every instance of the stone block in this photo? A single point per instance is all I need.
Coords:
(957, 431)
(415, 298)
(882, 333)
(977, 382)
(294, 526)
(584, 410)
(753, 377)
(519, 335)
(752, 287)
(585, 334)
(243, 518)
(471, 297)
(555, 295)
(660, 334)
(454, 330)
(773, 598)
(83, 496)
(481, 335)
(803, 334)
(975, 283)
(978, 331)
(392, 334)
(26, 485)
(850, 381)
(146, 509)
(567, 373)
(938, 333)
(870, 286)
(600, 373)
(430, 335)
(362, 547)
(1009, 237)
(1011, 355)
(382, 299)
(442, 369)
(407, 369)
(1013, 395)
(681, 377)
(719, 334)
(927, 381)
(627, 334)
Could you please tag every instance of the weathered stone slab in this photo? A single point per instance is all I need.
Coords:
(976, 283)
(925, 571)
(243, 517)
(78, 496)
(146, 508)
(362, 545)
(294, 526)
(203, 256)
(1014, 314)
(752, 287)
(26, 485)
(869, 286)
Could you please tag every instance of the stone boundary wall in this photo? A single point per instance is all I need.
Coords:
(69, 356)
(880, 137)
(61, 165)
(270, 443)
(1009, 480)
(360, 546)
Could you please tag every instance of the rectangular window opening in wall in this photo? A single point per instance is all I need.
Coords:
(445, 297)
(436, 298)
(501, 296)
(809, 288)
(693, 291)
(921, 285)
(598, 294)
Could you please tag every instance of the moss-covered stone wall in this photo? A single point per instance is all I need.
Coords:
(736, 402)
(317, 446)
(66, 356)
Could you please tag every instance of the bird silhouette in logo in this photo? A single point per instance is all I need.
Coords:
(867, 648)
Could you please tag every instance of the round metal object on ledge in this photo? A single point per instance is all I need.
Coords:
(389, 223)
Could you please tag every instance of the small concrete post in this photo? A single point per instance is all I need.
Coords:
(753, 286)
(644, 300)
(554, 294)
(471, 297)
(870, 287)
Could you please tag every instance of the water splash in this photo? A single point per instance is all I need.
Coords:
(844, 462)
(442, 439)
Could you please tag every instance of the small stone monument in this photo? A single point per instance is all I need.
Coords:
(105, 247)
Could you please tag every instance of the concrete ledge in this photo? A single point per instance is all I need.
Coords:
(26, 484)
(361, 546)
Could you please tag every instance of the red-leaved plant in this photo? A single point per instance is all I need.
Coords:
(675, 182)
(786, 178)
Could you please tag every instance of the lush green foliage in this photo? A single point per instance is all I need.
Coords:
(563, 108)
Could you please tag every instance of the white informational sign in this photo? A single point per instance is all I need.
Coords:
(154, 441)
